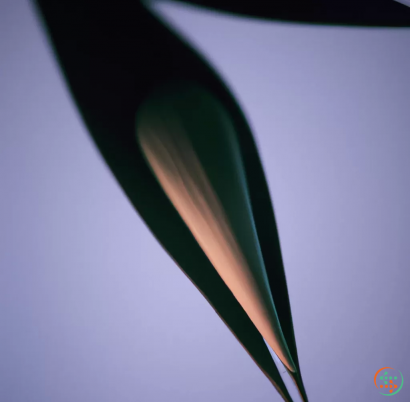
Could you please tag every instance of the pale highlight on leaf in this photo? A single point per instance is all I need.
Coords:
(172, 157)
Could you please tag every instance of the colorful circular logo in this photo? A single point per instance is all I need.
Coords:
(388, 381)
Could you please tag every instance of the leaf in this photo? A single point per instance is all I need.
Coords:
(115, 56)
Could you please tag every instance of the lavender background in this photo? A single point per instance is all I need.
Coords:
(91, 307)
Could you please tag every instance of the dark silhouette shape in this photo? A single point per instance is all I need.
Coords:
(114, 54)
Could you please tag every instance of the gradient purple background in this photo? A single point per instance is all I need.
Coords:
(91, 307)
